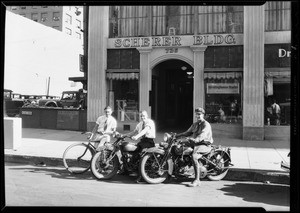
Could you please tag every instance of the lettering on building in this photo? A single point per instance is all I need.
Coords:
(174, 41)
(284, 53)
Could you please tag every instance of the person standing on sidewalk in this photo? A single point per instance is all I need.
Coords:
(145, 130)
(276, 112)
(105, 126)
(199, 137)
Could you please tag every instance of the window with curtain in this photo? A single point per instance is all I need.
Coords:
(128, 21)
(186, 20)
(220, 19)
(277, 15)
(159, 23)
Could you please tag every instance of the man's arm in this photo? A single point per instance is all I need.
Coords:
(186, 133)
(143, 132)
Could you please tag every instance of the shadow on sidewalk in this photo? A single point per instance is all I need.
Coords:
(261, 193)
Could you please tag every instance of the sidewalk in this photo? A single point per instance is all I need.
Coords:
(257, 161)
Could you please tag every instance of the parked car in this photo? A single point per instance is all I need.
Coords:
(11, 105)
(69, 99)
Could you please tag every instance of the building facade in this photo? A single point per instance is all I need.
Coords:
(231, 60)
(68, 19)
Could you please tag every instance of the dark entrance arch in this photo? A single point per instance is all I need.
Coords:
(171, 97)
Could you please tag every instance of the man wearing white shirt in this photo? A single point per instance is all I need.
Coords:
(105, 126)
(145, 130)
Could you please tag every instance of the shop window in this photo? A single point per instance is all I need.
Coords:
(125, 99)
(223, 98)
(123, 59)
(277, 15)
(277, 89)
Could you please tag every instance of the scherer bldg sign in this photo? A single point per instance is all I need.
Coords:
(176, 41)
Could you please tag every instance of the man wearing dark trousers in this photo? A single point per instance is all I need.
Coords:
(145, 130)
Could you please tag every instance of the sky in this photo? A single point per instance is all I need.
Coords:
(34, 53)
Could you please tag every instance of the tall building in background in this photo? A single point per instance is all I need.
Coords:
(68, 19)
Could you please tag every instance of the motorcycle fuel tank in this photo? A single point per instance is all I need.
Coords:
(128, 147)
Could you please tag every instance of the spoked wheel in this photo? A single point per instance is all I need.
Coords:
(150, 170)
(103, 165)
(222, 160)
(77, 158)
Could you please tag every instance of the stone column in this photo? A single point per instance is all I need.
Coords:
(253, 93)
(145, 80)
(97, 62)
(199, 94)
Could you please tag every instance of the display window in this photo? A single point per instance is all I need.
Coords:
(124, 99)
(223, 98)
(277, 101)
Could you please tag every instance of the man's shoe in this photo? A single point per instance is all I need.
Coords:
(194, 183)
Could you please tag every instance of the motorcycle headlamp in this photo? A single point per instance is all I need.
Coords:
(167, 137)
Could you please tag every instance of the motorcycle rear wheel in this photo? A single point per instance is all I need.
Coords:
(102, 170)
(222, 160)
(149, 169)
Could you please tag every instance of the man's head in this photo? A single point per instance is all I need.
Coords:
(108, 110)
(199, 112)
(143, 115)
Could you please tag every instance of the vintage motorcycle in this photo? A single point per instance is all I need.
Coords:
(173, 158)
(114, 157)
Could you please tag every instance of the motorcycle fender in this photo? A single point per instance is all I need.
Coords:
(170, 166)
(226, 153)
(154, 150)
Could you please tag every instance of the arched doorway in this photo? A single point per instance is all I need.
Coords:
(171, 98)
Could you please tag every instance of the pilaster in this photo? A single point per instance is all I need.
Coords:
(97, 62)
(199, 94)
(145, 80)
(253, 76)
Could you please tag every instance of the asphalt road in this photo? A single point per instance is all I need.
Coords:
(30, 185)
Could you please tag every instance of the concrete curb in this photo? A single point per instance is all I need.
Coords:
(234, 174)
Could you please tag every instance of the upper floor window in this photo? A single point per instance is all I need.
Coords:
(23, 7)
(56, 16)
(14, 8)
(44, 6)
(68, 19)
(277, 15)
(34, 17)
(78, 35)
(34, 7)
(44, 17)
(128, 21)
(68, 31)
(78, 24)
(220, 19)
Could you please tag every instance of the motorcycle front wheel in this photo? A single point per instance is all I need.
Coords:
(103, 167)
(150, 171)
(222, 160)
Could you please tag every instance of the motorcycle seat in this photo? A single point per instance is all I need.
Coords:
(204, 149)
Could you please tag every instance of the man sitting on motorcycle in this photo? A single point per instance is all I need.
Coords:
(199, 136)
(145, 130)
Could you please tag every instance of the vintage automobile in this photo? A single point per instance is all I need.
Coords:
(11, 103)
(69, 99)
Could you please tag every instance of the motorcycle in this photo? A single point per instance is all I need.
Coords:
(114, 157)
(173, 158)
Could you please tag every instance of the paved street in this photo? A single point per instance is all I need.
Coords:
(29, 185)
